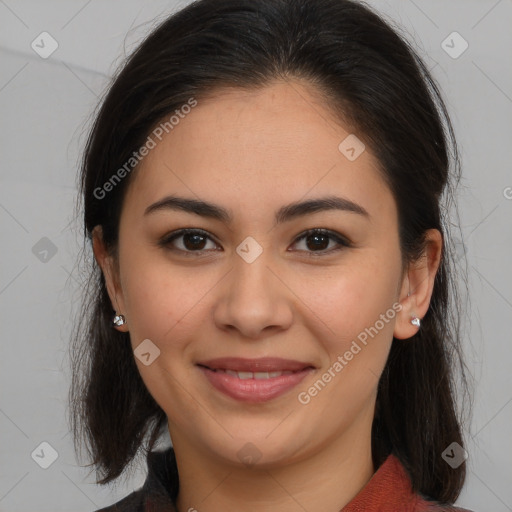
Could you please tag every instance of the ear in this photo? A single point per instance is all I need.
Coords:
(110, 272)
(418, 285)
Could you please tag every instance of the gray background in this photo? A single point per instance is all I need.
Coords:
(45, 105)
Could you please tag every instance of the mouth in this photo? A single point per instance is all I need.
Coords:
(254, 380)
(251, 375)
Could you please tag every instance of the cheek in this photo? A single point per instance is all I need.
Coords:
(163, 302)
(352, 298)
(165, 305)
(354, 321)
(360, 320)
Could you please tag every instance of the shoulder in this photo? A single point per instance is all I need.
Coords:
(391, 485)
(424, 505)
(159, 490)
(134, 502)
(444, 508)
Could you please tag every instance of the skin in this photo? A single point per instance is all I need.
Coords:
(253, 152)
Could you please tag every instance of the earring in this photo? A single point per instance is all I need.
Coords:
(416, 321)
(119, 320)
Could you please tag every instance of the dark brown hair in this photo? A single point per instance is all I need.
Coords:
(370, 77)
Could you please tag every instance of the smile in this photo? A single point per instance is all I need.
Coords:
(254, 380)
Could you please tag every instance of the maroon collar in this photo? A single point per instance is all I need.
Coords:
(388, 490)
(389, 485)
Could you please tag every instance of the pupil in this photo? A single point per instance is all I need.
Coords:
(196, 239)
(317, 237)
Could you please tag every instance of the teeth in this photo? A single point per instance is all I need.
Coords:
(255, 375)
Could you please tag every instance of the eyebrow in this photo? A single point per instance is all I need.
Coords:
(284, 214)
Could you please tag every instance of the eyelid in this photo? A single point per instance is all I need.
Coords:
(342, 241)
(166, 240)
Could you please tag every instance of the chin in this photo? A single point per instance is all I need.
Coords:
(258, 450)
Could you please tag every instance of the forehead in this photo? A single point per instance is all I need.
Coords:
(266, 147)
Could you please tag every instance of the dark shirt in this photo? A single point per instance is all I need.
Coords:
(389, 490)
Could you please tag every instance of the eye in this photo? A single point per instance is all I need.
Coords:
(190, 240)
(317, 241)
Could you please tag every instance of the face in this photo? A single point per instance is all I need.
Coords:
(249, 286)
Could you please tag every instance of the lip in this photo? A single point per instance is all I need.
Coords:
(254, 390)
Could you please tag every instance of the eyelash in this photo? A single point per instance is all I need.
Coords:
(341, 241)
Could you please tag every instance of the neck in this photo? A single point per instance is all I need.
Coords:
(325, 480)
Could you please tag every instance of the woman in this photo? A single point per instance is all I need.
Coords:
(262, 190)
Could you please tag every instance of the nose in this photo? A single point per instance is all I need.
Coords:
(253, 299)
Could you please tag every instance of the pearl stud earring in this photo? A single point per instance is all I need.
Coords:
(415, 321)
(119, 320)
